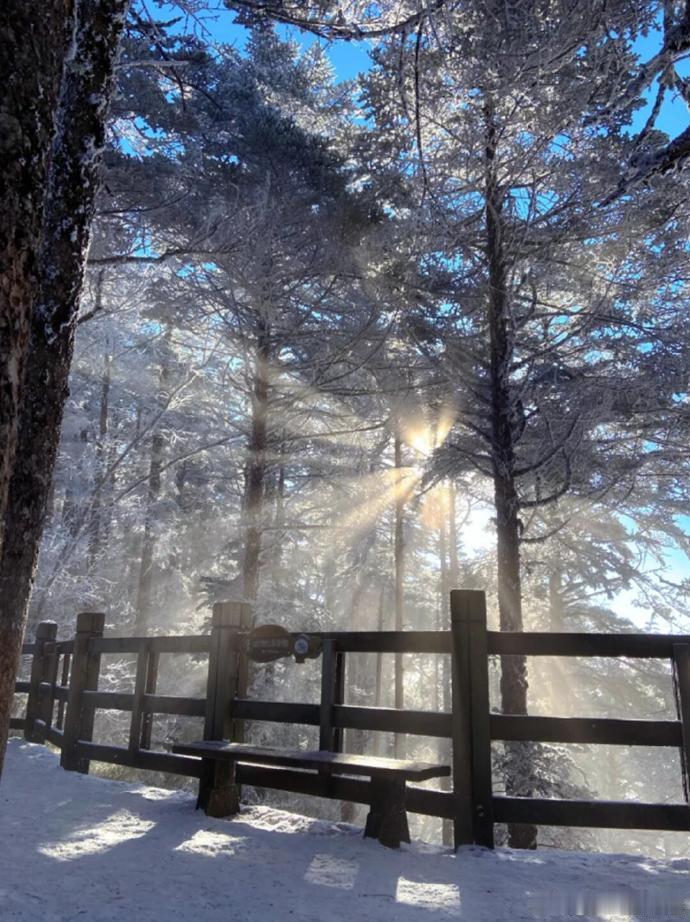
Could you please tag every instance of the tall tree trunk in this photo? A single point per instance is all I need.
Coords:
(34, 45)
(69, 207)
(73, 507)
(454, 571)
(95, 523)
(144, 604)
(255, 470)
(443, 612)
(503, 437)
(453, 582)
(448, 553)
(378, 688)
(399, 566)
(144, 607)
(556, 607)
(277, 498)
(358, 672)
(35, 40)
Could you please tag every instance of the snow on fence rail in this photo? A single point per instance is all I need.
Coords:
(63, 697)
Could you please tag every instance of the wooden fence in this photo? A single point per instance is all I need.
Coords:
(63, 696)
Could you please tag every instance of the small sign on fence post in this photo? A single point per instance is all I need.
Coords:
(269, 642)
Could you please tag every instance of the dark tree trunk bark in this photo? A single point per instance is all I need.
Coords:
(69, 207)
(255, 470)
(34, 43)
(503, 438)
(35, 39)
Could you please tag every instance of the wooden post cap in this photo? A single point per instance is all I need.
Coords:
(468, 605)
(230, 614)
(46, 630)
(90, 622)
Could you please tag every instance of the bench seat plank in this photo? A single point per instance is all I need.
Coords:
(372, 766)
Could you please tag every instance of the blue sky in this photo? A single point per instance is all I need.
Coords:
(351, 58)
(673, 117)
(348, 58)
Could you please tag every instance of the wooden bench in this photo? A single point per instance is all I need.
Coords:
(387, 819)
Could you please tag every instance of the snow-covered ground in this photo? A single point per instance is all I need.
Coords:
(79, 847)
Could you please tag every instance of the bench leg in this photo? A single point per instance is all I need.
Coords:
(205, 784)
(221, 798)
(387, 819)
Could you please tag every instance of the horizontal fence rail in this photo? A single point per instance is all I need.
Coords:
(194, 643)
(599, 814)
(347, 717)
(632, 646)
(150, 704)
(607, 730)
(140, 758)
(389, 641)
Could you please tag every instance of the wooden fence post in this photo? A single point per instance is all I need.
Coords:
(472, 785)
(226, 680)
(83, 677)
(149, 689)
(36, 709)
(681, 675)
(328, 696)
(64, 680)
(137, 718)
(340, 678)
(243, 617)
(463, 832)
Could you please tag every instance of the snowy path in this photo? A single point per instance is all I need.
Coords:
(78, 847)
